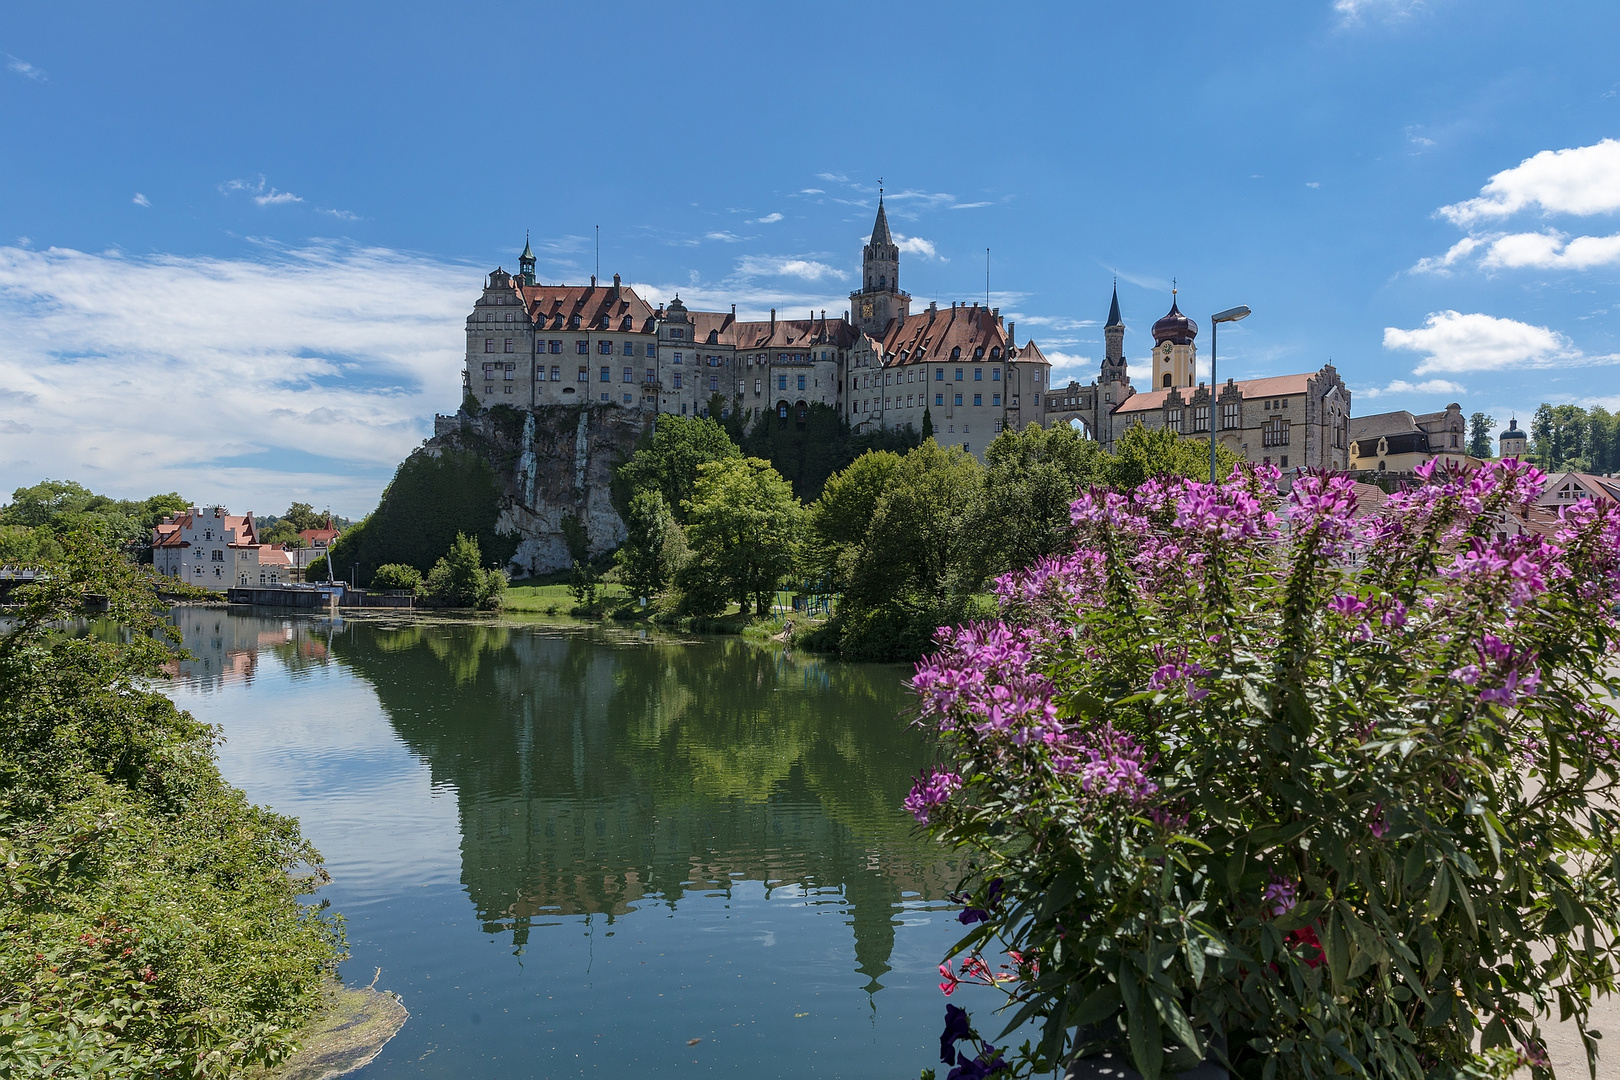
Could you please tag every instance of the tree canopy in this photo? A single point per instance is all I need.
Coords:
(1575, 438)
(744, 527)
(668, 460)
(36, 520)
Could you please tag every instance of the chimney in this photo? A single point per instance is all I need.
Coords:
(615, 284)
(773, 320)
(1011, 337)
(593, 281)
(733, 312)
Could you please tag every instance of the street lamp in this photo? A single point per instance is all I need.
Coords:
(1229, 315)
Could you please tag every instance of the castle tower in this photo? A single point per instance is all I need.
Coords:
(1113, 365)
(1175, 356)
(879, 299)
(526, 262)
(1513, 442)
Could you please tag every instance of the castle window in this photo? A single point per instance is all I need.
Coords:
(676, 332)
(652, 350)
(995, 374)
(1173, 418)
(606, 376)
(1201, 418)
(956, 354)
(605, 347)
(556, 373)
(677, 358)
(1167, 378)
(583, 347)
(511, 371)
(939, 399)
(1230, 414)
(801, 382)
(995, 399)
(978, 353)
(978, 399)
(629, 348)
(508, 389)
(958, 399)
(714, 383)
(939, 374)
(781, 384)
(627, 399)
(678, 386)
(508, 345)
(978, 374)
(652, 375)
(554, 346)
(629, 374)
(489, 344)
(958, 374)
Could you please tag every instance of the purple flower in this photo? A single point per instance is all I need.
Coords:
(933, 788)
(1347, 605)
(1281, 896)
(1112, 766)
(988, 1061)
(957, 1028)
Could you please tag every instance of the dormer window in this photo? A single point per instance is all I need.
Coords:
(978, 354)
(956, 353)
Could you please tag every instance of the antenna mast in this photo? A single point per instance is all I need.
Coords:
(599, 251)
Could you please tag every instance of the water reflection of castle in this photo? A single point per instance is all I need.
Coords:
(594, 776)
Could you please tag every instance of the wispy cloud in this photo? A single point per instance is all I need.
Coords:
(133, 383)
(141, 200)
(833, 178)
(1454, 343)
(264, 196)
(812, 191)
(769, 219)
(1401, 386)
(788, 266)
(723, 237)
(341, 215)
(1582, 180)
(971, 205)
(1356, 11)
(1313, 183)
(25, 69)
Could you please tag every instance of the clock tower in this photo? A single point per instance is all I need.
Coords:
(879, 300)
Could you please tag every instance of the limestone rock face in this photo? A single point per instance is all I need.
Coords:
(552, 461)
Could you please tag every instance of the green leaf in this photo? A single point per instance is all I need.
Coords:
(1100, 1004)
(1175, 1019)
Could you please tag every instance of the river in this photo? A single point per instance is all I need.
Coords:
(581, 850)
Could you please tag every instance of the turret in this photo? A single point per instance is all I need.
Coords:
(526, 262)
(1113, 365)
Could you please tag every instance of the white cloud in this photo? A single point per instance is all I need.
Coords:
(1442, 264)
(1313, 183)
(1401, 386)
(1582, 180)
(25, 69)
(835, 178)
(141, 200)
(261, 194)
(1071, 366)
(812, 191)
(769, 219)
(916, 245)
(723, 237)
(305, 373)
(1552, 250)
(341, 215)
(787, 266)
(1454, 343)
(970, 205)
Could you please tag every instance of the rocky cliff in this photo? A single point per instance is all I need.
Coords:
(551, 462)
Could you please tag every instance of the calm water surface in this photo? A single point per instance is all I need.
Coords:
(572, 851)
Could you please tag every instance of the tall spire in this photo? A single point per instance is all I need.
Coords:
(880, 229)
(527, 254)
(526, 261)
(1113, 309)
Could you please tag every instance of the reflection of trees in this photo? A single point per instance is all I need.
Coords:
(594, 770)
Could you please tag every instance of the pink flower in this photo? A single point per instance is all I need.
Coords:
(932, 789)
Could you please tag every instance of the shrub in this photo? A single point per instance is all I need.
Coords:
(396, 576)
(459, 578)
(150, 922)
(1313, 795)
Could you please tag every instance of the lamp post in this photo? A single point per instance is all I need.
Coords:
(1229, 315)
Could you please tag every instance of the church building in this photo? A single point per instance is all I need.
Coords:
(1291, 421)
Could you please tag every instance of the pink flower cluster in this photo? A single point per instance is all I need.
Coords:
(1110, 764)
(984, 677)
(1509, 675)
(933, 788)
(1324, 507)
(1174, 669)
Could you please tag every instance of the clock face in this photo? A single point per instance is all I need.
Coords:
(866, 310)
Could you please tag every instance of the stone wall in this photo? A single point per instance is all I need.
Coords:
(552, 461)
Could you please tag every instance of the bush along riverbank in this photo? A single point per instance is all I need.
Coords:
(1251, 779)
(150, 923)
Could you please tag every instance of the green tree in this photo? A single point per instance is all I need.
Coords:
(150, 913)
(282, 532)
(644, 559)
(431, 499)
(928, 425)
(460, 579)
(1143, 452)
(1479, 435)
(807, 454)
(1560, 438)
(744, 527)
(1030, 479)
(397, 576)
(839, 520)
(668, 460)
(61, 507)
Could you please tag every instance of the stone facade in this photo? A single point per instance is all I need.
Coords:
(210, 547)
(531, 345)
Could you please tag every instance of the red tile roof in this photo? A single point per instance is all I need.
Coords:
(613, 307)
(1272, 386)
(931, 335)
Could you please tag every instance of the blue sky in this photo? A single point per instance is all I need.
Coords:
(237, 241)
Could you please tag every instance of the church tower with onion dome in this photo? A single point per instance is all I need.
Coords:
(1175, 354)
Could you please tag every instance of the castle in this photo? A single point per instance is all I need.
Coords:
(531, 345)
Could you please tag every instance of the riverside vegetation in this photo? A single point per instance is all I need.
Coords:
(1250, 778)
(150, 923)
